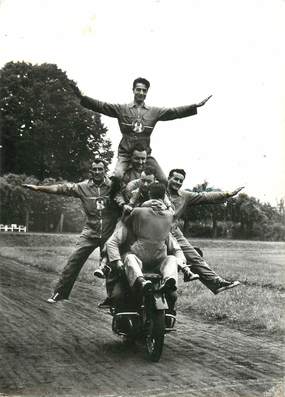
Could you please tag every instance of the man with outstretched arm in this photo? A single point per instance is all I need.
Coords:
(122, 199)
(96, 195)
(137, 121)
(182, 201)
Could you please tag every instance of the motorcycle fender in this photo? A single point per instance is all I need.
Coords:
(160, 302)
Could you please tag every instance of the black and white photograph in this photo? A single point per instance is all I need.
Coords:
(142, 198)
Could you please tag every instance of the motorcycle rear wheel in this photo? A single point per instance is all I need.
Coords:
(154, 339)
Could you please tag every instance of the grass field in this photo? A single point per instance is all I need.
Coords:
(257, 305)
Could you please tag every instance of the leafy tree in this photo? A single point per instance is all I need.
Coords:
(206, 213)
(241, 217)
(281, 209)
(247, 212)
(14, 203)
(45, 131)
(38, 211)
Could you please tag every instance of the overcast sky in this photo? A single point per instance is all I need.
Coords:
(232, 49)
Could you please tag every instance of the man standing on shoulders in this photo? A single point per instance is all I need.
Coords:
(96, 195)
(181, 201)
(137, 121)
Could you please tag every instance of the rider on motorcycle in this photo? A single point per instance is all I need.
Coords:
(150, 248)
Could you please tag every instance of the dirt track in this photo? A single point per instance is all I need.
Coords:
(68, 349)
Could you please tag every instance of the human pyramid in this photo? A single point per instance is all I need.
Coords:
(133, 216)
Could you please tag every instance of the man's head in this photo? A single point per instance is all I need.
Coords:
(157, 191)
(140, 89)
(98, 170)
(138, 157)
(175, 179)
(147, 178)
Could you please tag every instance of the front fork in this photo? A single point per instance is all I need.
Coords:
(153, 302)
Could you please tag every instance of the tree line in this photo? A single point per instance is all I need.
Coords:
(39, 212)
(47, 137)
(242, 217)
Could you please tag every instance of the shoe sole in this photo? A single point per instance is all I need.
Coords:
(99, 275)
(105, 307)
(235, 284)
(51, 301)
(169, 285)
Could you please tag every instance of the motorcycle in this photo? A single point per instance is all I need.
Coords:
(148, 319)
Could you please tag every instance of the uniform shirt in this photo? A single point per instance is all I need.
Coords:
(137, 122)
(130, 175)
(183, 199)
(145, 223)
(123, 196)
(101, 213)
(151, 225)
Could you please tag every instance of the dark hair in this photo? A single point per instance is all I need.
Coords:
(178, 170)
(139, 147)
(156, 190)
(142, 81)
(149, 170)
(115, 186)
(98, 160)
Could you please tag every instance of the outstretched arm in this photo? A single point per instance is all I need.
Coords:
(235, 192)
(109, 109)
(165, 114)
(44, 189)
(193, 198)
(202, 103)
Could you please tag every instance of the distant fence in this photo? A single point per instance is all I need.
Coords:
(13, 228)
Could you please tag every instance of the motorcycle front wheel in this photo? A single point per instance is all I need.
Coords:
(154, 339)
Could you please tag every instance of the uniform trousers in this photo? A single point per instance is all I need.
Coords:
(84, 247)
(198, 264)
(134, 268)
(124, 161)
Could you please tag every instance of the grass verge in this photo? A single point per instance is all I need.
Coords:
(256, 306)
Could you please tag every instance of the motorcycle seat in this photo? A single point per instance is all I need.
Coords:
(152, 276)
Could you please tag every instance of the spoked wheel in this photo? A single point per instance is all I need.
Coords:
(155, 335)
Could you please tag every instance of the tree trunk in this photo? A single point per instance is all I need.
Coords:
(27, 220)
(60, 223)
(214, 226)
